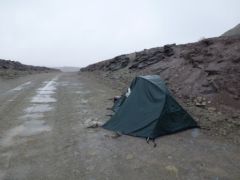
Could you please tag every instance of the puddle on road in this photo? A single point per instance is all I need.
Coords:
(49, 87)
(34, 116)
(44, 94)
(33, 122)
(38, 108)
(19, 88)
(34, 127)
(28, 128)
(43, 99)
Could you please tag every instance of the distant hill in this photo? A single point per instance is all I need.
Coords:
(10, 68)
(69, 69)
(233, 32)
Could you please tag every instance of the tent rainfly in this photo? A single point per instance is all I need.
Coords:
(149, 111)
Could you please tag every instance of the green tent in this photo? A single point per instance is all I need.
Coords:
(149, 111)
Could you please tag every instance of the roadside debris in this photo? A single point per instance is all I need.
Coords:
(114, 135)
(91, 123)
(172, 169)
(129, 157)
(153, 141)
(200, 101)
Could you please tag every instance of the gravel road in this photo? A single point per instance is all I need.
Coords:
(43, 135)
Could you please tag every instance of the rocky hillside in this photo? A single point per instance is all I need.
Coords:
(203, 76)
(13, 68)
(233, 32)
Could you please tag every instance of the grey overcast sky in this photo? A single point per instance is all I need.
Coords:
(81, 32)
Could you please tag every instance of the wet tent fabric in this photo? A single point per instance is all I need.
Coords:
(149, 111)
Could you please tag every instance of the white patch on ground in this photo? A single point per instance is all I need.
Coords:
(50, 86)
(19, 88)
(82, 92)
(43, 99)
(45, 92)
(195, 133)
(66, 83)
(84, 101)
(11, 100)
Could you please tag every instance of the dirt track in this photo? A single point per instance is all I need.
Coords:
(43, 135)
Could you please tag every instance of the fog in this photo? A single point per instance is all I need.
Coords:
(80, 32)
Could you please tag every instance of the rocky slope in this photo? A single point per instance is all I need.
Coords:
(203, 76)
(13, 68)
(233, 32)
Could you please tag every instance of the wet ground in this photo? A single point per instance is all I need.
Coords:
(43, 135)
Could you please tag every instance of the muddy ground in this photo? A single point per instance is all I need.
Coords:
(44, 135)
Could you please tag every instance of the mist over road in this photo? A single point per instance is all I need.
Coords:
(43, 135)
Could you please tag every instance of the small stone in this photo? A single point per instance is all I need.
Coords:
(223, 132)
(200, 101)
(201, 104)
(206, 84)
(235, 116)
(236, 97)
(172, 169)
(92, 153)
(199, 98)
(129, 157)
(211, 109)
(198, 104)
